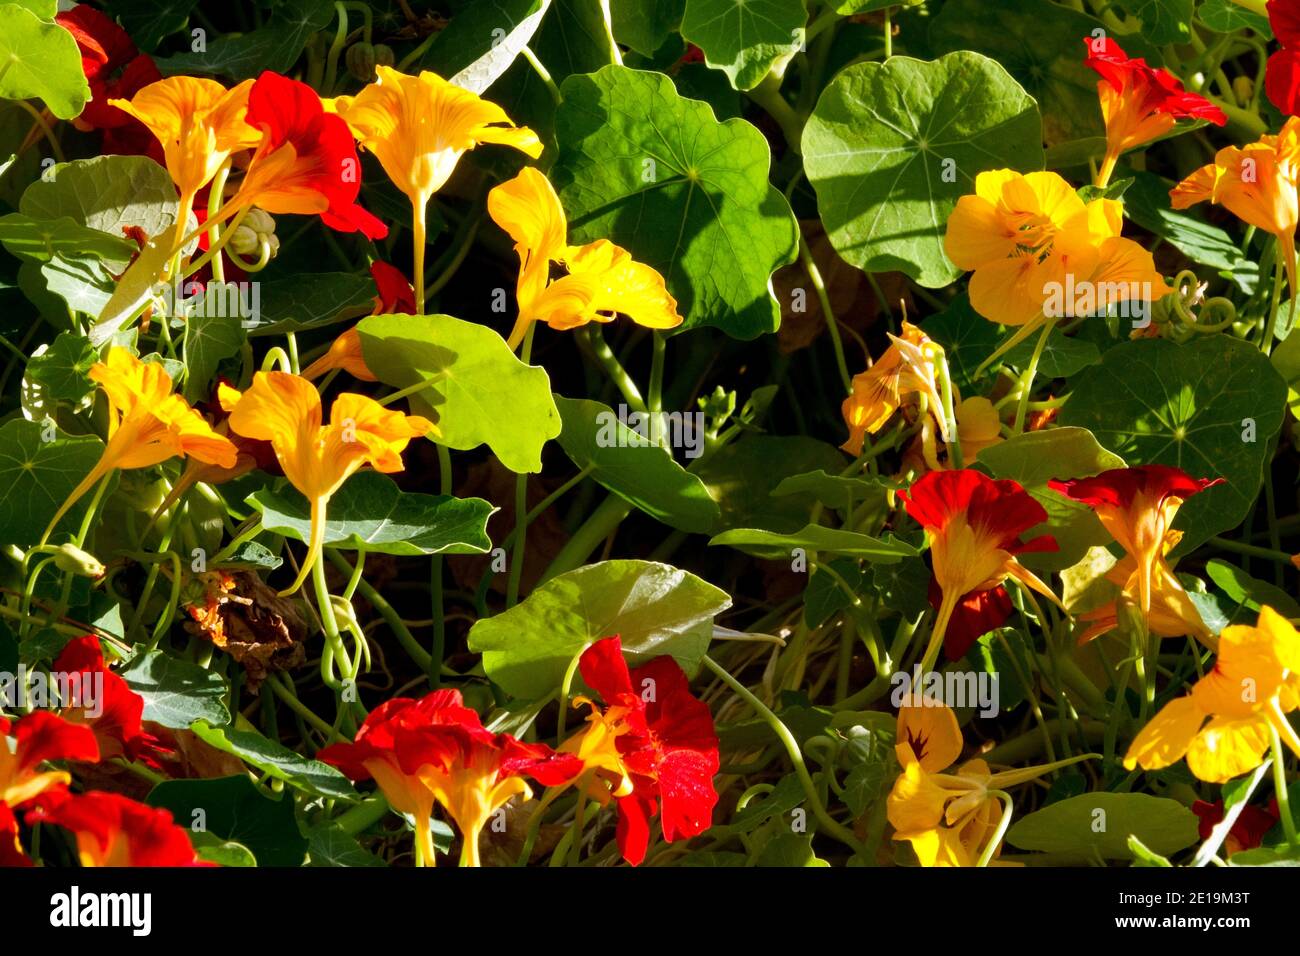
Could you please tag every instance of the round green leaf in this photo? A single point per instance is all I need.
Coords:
(892, 146)
(478, 392)
(1212, 407)
(744, 39)
(40, 58)
(233, 809)
(177, 693)
(278, 761)
(36, 477)
(818, 539)
(1099, 824)
(108, 193)
(1163, 21)
(656, 173)
(656, 609)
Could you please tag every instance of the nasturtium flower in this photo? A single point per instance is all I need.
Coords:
(395, 295)
(602, 279)
(979, 426)
(113, 66)
(974, 524)
(114, 831)
(147, 424)
(317, 457)
(1247, 832)
(947, 816)
(436, 750)
(1282, 74)
(651, 746)
(1040, 252)
(1139, 103)
(905, 369)
(1137, 506)
(103, 702)
(1225, 724)
(306, 162)
(39, 737)
(199, 124)
(1257, 183)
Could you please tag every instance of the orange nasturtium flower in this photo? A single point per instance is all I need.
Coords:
(950, 818)
(199, 123)
(418, 127)
(906, 368)
(436, 750)
(1139, 103)
(1257, 183)
(316, 457)
(1137, 506)
(974, 524)
(147, 424)
(602, 278)
(1039, 253)
(1254, 684)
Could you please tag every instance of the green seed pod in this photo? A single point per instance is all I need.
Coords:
(360, 61)
(75, 561)
(384, 55)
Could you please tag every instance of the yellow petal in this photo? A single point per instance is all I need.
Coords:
(930, 728)
(1228, 747)
(1166, 736)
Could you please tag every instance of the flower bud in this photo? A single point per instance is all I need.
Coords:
(73, 560)
(360, 60)
(384, 55)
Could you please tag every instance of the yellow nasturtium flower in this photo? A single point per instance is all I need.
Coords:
(1257, 183)
(906, 368)
(317, 457)
(147, 424)
(418, 127)
(1038, 252)
(602, 278)
(1255, 683)
(199, 124)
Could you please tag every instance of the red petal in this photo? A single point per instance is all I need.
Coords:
(604, 670)
(43, 735)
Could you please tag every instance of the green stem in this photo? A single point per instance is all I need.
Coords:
(542, 73)
(439, 646)
(1280, 792)
(832, 324)
(594, 339)
(1027, 383)
(599, 525)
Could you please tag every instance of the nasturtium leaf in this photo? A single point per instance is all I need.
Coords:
(1146, 202)
(40, 59)
(177, 693)
(786, 849)
(1073, 826)
(233, 809)
(1034, 459)
(841, 492)
(1041, 44)
(210, 336)
(213, 849)
(478, 392)
(1286, 362)
(45, 9)
(745, 39)
(39, 240)
(371, 512)
(656, 609)
(636, 469)
(657, 174)
(967, 339)
(482, 40)
(1163, 21)
(825, 595)
(61, 369)
(1250, 591)
(903, 586)
(644, 25)
(274, 46)
(329, 845)
(741, 477)
(151, 21)
(1212, 407)
(86, 285)
(278, 761)
(815, 538)
(1227, 16)
(1062, 356)
(892, 146)
(36, 477)
(108, 193)
(293, 303)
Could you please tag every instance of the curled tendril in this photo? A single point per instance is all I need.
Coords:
(263, 256)
(1187, 292)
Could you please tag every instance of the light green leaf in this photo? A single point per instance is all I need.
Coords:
(840, 492)
(177, 693)
(1212, 407)
(371, 512)
(61, 369)
(37, 476)
(816, 538)
(132, 292)
(478, 393)
(630, 465)
(210, 336)
(276, 45)
(1286, 362)
(1100, 824)
(1250, 591)
(1163, 21)
(40, 59)
(86, 285)
(644, 25)
(656, 609)
(1227, 16)
(745, 39)
(659, 175)
(892, 146)
(39, 240)
(278, 761)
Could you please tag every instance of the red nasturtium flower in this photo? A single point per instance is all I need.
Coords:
(652, 746)
(38, 737)
(113, 830)
(1139, 103)
(113, 66)
(1249, 829)
(1282, 76)
(436, 750)
(307, 162)
(974, 525)
(117, 724)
